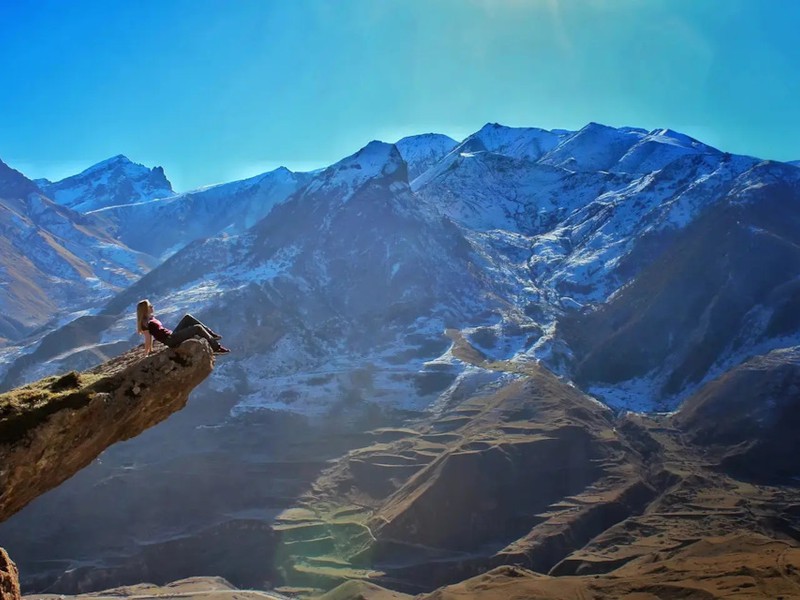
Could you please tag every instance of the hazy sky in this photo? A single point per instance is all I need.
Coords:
(218, 90)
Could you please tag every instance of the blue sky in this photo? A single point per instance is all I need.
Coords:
(218, 90)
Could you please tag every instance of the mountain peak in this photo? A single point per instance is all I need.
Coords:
(375, 148)
(425, 136)
(595, 127)
(595, 147)
(110, 182)
(677, 137)
(14, 184)
(421, 152)
(114, 161)
(490, 126)
(375, 159)
(529, 143)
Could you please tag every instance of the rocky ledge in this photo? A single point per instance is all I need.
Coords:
(51, 429)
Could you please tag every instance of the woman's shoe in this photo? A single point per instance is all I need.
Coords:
(222, 350)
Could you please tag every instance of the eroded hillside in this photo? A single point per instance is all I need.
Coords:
(538, 478)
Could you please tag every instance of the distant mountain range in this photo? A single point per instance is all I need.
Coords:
(543, 245)
(113, 182)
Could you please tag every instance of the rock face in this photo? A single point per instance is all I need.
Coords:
(51, 429)
(9, 578)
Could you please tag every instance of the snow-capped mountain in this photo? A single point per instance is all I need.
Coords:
(164, 225)
(111, 182)
(523, 236)
(351, 269)
(53, 259)
(421, 152)
(529, 143)
(706, 292)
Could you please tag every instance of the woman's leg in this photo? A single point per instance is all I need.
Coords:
(178, 337)
(188, 320)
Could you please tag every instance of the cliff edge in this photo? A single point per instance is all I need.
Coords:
(51, 429)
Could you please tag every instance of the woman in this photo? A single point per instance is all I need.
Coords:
(189, 327)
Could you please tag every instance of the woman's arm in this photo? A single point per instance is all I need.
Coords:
(148, 343)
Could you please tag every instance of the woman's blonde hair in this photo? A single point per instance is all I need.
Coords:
(142, 314)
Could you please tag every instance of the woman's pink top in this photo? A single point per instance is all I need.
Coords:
(158, 331)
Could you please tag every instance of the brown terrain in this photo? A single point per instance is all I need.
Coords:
(539, 491)
(194, 588)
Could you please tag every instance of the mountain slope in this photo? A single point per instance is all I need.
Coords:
(716, 292)
(351, 269)
(540, 476)
(638, 266)
(54, 259)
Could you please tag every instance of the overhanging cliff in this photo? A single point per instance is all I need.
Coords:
(51, 429)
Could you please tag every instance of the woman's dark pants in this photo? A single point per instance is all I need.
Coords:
(190, 327)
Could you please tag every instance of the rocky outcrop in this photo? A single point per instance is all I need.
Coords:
(51, 429)
(9, 578)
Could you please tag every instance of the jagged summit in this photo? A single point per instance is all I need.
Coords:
(375, 161)
(114, 181)
(423, 151)
(530, 143)
(13, 184)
